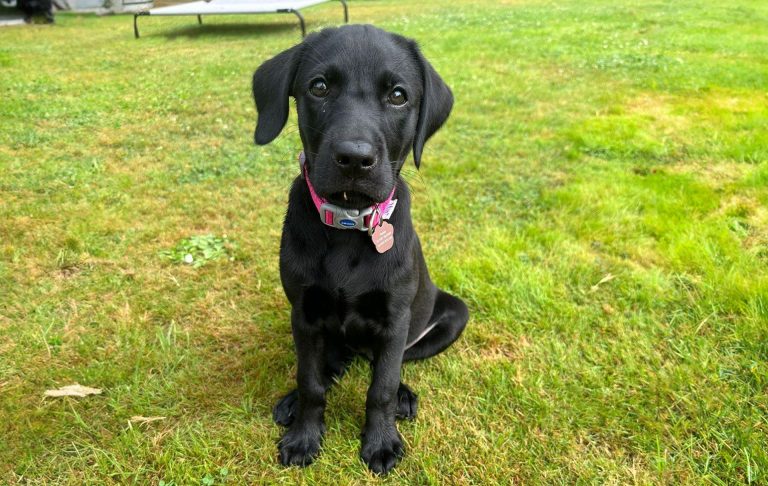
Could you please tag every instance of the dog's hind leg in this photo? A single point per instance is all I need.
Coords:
(338, 360)
(449, 318)
(407, 402)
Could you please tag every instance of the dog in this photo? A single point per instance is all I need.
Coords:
(351, 264)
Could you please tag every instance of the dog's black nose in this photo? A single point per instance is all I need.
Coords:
(354, 156)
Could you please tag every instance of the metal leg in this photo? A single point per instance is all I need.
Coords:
(301, 19)
(136, 23)
(346, 12)
(200, 20)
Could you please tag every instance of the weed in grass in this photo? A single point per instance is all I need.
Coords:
(200, 250)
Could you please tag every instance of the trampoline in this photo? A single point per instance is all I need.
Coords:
(234, 7)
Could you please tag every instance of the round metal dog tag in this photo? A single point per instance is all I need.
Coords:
(383, 237)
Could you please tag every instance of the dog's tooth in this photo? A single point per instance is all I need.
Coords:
(345, 196)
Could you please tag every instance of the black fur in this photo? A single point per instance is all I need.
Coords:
(32, 8)
(347, 298)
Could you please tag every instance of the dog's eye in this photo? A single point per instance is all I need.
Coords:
(319, 88)
(397, 97)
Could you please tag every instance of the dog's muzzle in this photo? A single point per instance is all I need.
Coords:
(366, 219)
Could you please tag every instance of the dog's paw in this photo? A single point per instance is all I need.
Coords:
(300, 446)
(285, 409)
(407, 403)
(382, 449)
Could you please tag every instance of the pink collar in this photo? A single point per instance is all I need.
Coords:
(366, 219)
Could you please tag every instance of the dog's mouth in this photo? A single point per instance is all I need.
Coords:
(351, 199)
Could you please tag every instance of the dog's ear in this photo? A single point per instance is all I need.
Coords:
(435, 106)
(272, 85)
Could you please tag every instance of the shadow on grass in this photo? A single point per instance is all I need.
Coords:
(194, 30)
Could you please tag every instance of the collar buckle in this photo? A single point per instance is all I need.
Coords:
(345, 218)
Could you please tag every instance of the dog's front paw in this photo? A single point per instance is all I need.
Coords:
(300, 445)
(382, 448)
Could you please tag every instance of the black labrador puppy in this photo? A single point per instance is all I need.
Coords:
(350, 261)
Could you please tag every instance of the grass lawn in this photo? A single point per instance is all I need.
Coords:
(598, 197)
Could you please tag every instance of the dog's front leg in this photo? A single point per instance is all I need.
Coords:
(301, 442)
(382, 445)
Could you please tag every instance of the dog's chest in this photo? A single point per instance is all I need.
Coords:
(349, 295)
(356, 317)
(341, 283)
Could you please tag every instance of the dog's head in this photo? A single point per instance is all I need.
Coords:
(365, 99)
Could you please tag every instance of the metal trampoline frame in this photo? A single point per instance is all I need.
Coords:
(289, 9)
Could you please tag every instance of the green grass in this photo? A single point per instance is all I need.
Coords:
(589, 138)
